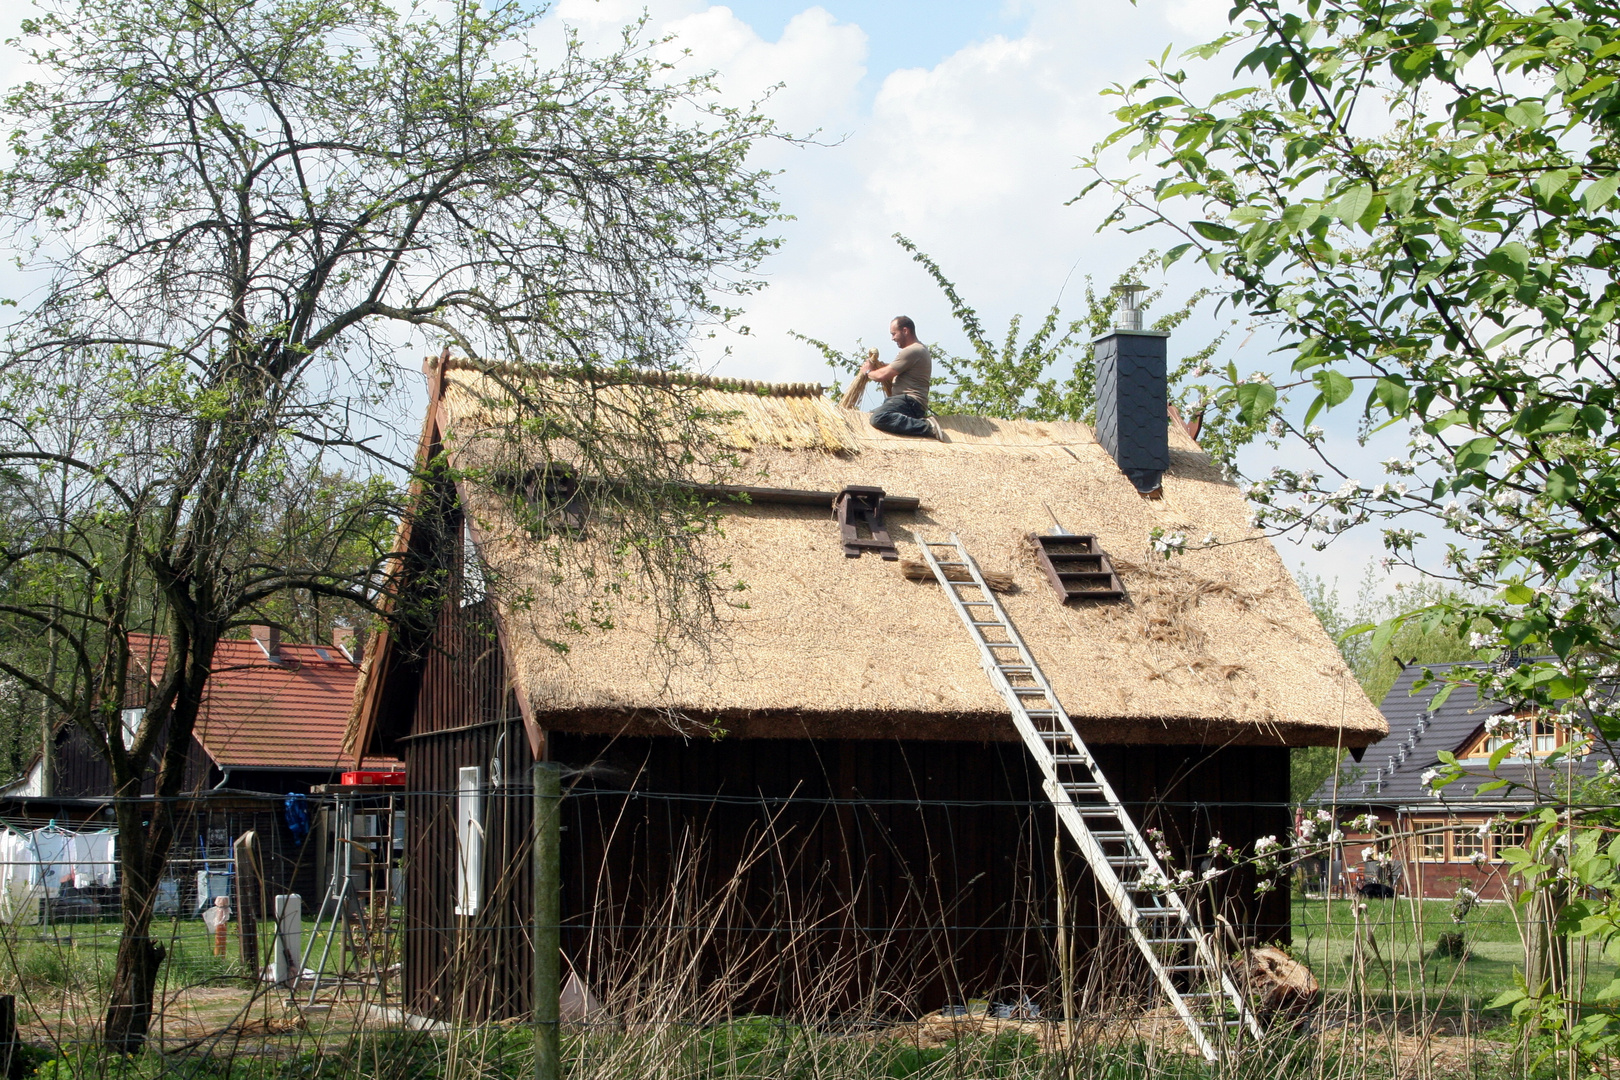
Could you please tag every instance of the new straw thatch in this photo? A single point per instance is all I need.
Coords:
(1213, 645)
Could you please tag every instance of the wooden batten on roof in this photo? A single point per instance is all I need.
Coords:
(1214, 645)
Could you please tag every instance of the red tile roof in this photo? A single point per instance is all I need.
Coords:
(287, 713)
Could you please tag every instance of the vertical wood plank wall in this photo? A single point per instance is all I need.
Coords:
(459, 966)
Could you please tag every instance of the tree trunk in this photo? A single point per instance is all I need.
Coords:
(146, 830)
(143, 850)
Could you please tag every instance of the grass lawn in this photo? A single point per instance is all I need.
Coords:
(79, 955)
(1403, 934)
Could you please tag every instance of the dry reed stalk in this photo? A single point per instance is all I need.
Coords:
(852, 396)
(998, 580)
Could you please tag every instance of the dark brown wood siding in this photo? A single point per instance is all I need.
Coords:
(805, 874)
(466, 715)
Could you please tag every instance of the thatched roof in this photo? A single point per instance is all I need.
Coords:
(1213, 645)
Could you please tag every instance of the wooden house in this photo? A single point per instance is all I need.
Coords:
(1433, 840)
(823, 806)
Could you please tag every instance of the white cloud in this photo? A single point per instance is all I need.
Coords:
(811, 72)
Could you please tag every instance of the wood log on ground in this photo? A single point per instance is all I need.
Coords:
(998, 580)
(1281, 988)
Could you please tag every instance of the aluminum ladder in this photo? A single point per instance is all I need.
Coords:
(1157, 919)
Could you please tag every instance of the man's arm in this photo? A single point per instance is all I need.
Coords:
(885, 373)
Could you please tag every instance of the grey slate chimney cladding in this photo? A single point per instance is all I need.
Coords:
(1133, 403)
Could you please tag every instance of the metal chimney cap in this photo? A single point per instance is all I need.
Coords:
(1127, 313)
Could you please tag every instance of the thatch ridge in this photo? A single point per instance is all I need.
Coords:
(615, 376)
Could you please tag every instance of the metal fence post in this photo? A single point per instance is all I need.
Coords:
(547, 920)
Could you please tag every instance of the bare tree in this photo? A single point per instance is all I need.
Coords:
(231, 205)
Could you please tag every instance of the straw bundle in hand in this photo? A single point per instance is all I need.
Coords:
(852, 396)
(917, 570)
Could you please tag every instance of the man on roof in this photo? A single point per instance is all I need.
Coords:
(905, 380)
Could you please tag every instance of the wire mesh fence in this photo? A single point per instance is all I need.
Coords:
(393, 932)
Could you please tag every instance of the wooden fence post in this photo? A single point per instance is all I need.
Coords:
(547, 920)
(245, 853)
(9, 1062)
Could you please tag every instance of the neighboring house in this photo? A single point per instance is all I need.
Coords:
(1452, 836)
(272, 720)
(271, 726)
(828, 804)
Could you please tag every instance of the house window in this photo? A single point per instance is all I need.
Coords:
(1511, 834)
(469, 839)
(1430, 840)
(1466, 842)
(131, 719)
(1542, 737)
(473, 584)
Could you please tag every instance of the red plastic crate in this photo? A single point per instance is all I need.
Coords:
(389, 779)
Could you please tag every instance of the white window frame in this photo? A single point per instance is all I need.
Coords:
(469, 839)
(130, 721)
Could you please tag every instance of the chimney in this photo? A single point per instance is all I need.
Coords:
(348, 641)
(1133, 406)
(269, 639)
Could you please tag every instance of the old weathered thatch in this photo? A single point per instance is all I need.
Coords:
(1213, 645)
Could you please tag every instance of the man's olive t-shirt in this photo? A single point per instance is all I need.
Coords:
(914, 369)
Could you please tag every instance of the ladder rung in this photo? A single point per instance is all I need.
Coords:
(989, 622)
(1127, 860)
(1110, 837)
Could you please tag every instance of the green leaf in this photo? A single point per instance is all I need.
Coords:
(1391, 392)
(1353, 203)
(1563, 484)
(1475, 453)
(1316, 406)
(1512, 260)
(1499, 755)
(1173, 254)
(1518, 593)
(1504, 335)
(1335, 387)
(1255, 400)
(1211, 230)
(1382, 636)
(1599, 192)
(1375, 213)
(1356, 631)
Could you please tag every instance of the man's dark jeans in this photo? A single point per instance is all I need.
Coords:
(902, 414)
